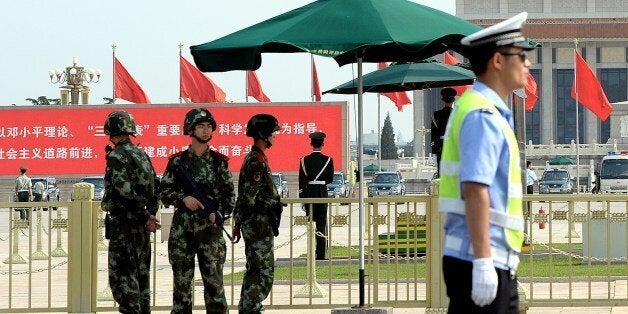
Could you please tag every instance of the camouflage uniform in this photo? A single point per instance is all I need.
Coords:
(130, 200)
(257, 193)
(192, 235)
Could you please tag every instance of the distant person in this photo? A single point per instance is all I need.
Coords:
(257, 196)
(531, 178)
(316, 170)
(439, 123)
(480, 176)
(24, 191)
(194, 233)
(38, 191)
(131, 205)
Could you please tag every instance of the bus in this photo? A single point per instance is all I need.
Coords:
(614, 174)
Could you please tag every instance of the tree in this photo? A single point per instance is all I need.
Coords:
(388, 149)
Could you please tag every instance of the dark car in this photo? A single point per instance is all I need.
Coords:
(339, 187)
(281, 185)
(387, 183)
(556, 181)
(51, 190)
(99, 186)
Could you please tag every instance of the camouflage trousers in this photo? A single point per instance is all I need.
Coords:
(129, 265)
(260, 263)
(192, 236)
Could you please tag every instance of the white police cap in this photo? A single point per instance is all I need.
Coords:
(505, 33)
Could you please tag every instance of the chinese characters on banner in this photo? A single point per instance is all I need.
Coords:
(71, 140)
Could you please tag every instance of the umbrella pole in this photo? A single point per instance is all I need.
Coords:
(361, 185)
(379, 135)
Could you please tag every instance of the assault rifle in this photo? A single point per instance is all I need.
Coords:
(191, 188)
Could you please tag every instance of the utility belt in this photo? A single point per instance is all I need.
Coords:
(317, 182)
(503, 256)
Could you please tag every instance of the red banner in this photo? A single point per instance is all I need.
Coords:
(70, 140)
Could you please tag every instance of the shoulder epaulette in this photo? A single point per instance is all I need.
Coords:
(225, 158)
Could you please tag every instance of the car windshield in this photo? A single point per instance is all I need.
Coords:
(276, 179)
(33, 181)
(97, 182)
(615, 169)
(386, 178)
(555, 176)
(338, 178)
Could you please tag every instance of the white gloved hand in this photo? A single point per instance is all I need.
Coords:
(484, 281)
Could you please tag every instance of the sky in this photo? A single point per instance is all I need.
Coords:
(38, 36)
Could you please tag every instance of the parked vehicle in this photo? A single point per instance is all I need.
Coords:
(387, 183)
(614, 174)
(99, 186)
(281, 185)
(339, 187)
(556, 181)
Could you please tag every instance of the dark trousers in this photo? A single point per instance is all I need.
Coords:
(320, 220)
(457, 275)
(23, 196)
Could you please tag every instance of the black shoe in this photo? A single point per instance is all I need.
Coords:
(322, 259)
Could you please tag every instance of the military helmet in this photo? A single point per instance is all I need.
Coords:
(120, 122)
(261, 126)
(197, 115)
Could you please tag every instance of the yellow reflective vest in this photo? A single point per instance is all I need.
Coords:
(450, 200)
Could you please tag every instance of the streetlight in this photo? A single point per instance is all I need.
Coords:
(75, 76)
(423, 132)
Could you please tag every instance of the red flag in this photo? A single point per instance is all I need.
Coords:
(126, 87)
(587, 89)
(532, 94)
(316, 89)
(196, 86)
(399, 98)
(451, 60)
(255, 88)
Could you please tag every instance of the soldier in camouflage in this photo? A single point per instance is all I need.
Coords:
(131, 203)
(256, 195)
(191, 234)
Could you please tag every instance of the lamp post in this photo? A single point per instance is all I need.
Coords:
(423, 132)
(75, 76)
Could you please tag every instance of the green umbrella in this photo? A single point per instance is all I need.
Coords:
(409, 76)
(562, 160)
(377, 30)
(371, 167)
(349, 31)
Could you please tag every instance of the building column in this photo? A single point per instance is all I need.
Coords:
(548, 112)
(419, 109)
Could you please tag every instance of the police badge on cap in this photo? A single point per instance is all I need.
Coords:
(505, 33)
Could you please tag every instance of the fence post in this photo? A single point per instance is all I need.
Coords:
(81, 267)
(436, 293)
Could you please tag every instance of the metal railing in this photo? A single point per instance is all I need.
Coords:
(56, 261)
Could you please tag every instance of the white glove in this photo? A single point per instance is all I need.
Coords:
(484, 281)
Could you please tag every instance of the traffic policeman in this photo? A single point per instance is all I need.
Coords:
(23, 191)
(316, 170)
(439, 122)
(481, 189)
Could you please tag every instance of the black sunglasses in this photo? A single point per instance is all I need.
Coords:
(522, 54)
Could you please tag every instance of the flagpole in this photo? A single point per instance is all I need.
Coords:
(312, 77)
(113, 61)
(180, 56)
(575, 76)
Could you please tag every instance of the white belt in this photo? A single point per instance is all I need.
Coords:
(500, 255)
(317, 182)
(22, 191)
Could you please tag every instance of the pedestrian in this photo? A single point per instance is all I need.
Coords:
(194, 232)
(439, 122)
(38, 191)
(131, 205)
(482, 196)
(531, 178)
(257, 195)
(23, 191)
(316, 170)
